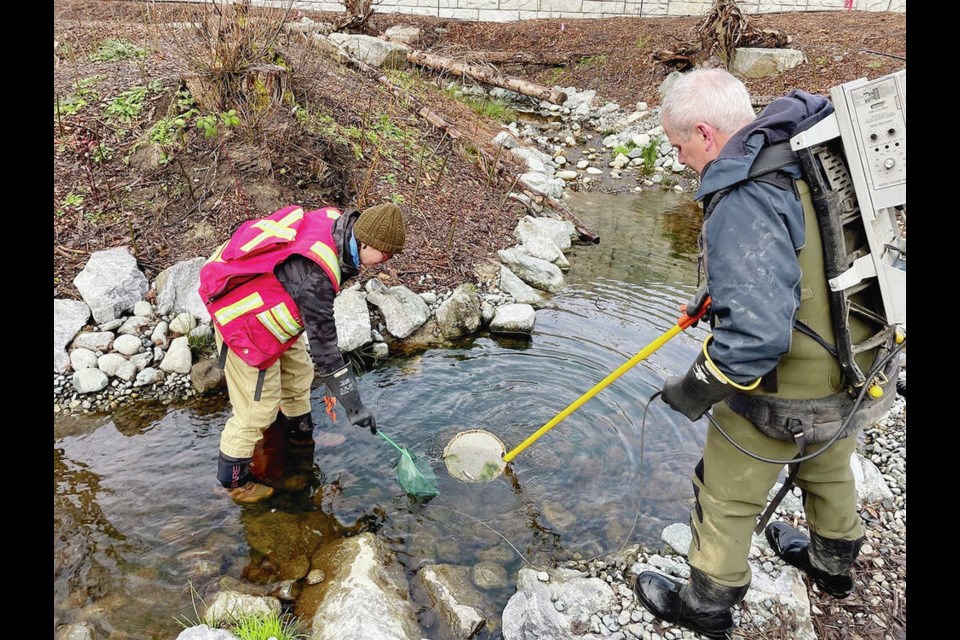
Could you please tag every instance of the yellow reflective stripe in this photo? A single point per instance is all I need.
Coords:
(238, 308)
(329, 258)
(333, 214)
(275, 229)
(283, 316)
(267, 320)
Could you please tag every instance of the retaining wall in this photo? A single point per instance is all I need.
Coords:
(510, 10)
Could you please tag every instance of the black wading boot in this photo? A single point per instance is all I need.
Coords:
(701, 604)
(835, 556)
(234, 474)
(299, 430)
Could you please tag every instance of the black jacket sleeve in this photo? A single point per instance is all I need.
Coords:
(310, 287)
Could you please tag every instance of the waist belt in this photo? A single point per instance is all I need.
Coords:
(814, 420)
(811, 422)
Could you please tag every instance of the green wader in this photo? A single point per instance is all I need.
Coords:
(731, 488)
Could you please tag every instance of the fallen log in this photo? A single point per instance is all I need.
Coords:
(486, 76)
(523, 57)
(453, 131)
(422, 109)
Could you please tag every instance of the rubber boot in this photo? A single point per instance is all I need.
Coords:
(835, 556)
(299, 430)
(234, 475)
(701, 604)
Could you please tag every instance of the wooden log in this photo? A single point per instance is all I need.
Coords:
(454, 132)
(422, 110)
(486, 76)
(523, 57)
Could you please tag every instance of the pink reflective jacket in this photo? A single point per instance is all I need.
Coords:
(254, 314)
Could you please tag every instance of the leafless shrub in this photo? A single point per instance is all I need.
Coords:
(233, 53)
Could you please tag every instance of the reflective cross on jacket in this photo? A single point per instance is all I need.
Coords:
(253, 311)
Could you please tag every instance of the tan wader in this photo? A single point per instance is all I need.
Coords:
(286, 384)
(731, 488)
(731, 491)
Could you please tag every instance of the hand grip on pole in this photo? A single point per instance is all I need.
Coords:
(682, 323)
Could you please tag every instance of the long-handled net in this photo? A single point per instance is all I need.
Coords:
(414, 475)
(479, 456)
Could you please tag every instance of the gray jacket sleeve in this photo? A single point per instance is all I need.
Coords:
(311, 290)
(753, 275)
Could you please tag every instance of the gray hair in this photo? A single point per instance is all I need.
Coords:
(713, 96)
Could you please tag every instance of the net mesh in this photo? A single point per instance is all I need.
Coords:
(415, 475)
(474, 456)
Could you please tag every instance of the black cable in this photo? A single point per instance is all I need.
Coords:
(643, 430)
(878, 367)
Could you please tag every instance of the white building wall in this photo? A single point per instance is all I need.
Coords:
(511, 10)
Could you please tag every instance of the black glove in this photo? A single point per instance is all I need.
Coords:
(343, 385)
(703, 386)
(696, 303)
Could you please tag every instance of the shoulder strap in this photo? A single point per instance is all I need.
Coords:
(766, 168)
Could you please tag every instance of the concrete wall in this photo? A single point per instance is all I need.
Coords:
(510, 10)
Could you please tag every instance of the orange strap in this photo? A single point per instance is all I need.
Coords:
(329, 404)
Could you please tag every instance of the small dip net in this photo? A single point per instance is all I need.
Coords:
(475, 456)
(414, 474)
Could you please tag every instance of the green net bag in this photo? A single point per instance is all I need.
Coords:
(414, 475)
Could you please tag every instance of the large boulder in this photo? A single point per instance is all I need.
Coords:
(111, 283)
(364, 595)
(69, 316)
(753, 62)
(551, 604)
(177, 290)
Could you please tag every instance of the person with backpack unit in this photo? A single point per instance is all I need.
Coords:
(769, 369)
(274, 281)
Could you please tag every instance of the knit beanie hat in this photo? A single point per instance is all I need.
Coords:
(381, 227)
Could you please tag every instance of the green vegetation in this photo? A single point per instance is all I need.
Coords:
(102, 153)
(590, 61)
(70, 201)
(69, 106)
(268, 627)
(324, 125)
(386, 129)
(649, 155)
(202, 346)
(208, 123)
(167, 131)
(74, 103)
(625, 149)
(409, 82)
(117, 49)
(555, 75)
(73, 200)
(490, 107)
(126, 107)
(253, 626)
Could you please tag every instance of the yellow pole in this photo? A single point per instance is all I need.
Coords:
(684, 322)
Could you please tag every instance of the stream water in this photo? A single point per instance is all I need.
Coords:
(141, 528)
